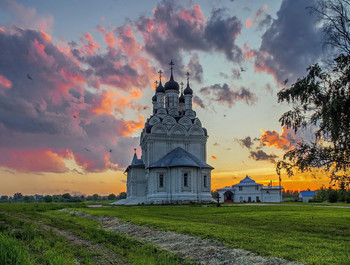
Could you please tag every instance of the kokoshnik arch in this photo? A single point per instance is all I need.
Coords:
(172, 168)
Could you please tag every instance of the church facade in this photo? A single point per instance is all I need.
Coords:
(172, 168)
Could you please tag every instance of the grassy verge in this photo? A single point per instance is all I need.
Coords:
(314, 235)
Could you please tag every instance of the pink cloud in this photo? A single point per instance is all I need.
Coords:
(5, 84)
(88, 44)
(33, 160)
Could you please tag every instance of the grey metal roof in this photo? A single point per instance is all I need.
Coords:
(135, 163)
(247, 181)
(179, 157)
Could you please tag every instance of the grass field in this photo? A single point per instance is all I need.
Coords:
(312, 235)
(25, 239)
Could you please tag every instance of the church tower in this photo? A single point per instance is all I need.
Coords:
(173, 166)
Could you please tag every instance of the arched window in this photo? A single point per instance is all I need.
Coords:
(185, 180)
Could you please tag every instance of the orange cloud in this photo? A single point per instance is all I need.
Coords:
(248, 53)
(260, 66)
(130, 126)
(33, 160)
(5, 83)
(284, 141)
(112, 101)
(106, 104)
(249, 23)
(214, 157)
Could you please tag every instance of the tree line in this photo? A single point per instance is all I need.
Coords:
(66, 197)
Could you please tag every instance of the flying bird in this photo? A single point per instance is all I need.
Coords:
(110, 150)
(242, 69)
(37, 110)
(29, 77)
(224, 115)
(74, 116)
(285, 81)
(87, 149)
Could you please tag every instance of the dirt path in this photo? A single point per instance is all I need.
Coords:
(202, 250)
(105, 256)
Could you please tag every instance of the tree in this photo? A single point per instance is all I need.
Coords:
(18, 196)
(47, 198)
(112, 196)
(322, 99)
(122, 195)
(95, 197)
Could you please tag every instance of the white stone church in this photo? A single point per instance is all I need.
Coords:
(172, 168)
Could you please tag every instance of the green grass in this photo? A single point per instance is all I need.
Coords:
(19, 226)
(37, 245)
(314, 235)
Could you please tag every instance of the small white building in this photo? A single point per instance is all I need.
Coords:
(306, 195)
(247, 190)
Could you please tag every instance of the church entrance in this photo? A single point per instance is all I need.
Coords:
(228, 196)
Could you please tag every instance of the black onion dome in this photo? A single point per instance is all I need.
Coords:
(182, 98)
(188, 90)
(160, 88)
(172, 84)
(154, 98)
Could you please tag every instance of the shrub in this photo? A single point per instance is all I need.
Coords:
(333, 196)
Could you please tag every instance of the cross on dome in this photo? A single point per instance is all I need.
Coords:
(188, 76)
(160, 75)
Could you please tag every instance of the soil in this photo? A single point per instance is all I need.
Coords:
(202, 250)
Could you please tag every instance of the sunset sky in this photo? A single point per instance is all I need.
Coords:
(77, 77)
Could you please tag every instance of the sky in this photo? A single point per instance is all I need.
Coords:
(77, 77)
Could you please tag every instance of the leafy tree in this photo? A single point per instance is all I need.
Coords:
(28, 199)
(333, 196)
(47, 198)
(18, 196)
(122, 195)
(95, 197)
(322, 99)
(66, 197)
(112, 197)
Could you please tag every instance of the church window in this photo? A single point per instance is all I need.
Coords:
(161, 181)
(240, 188)
(185, 180)
(205, 184)
(257, 187)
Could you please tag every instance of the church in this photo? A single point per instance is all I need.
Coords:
(172, 167)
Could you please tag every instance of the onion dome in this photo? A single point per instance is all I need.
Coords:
(160, 88)
(171, 84)
(154, 98)
(182, 98)
(188, 90)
